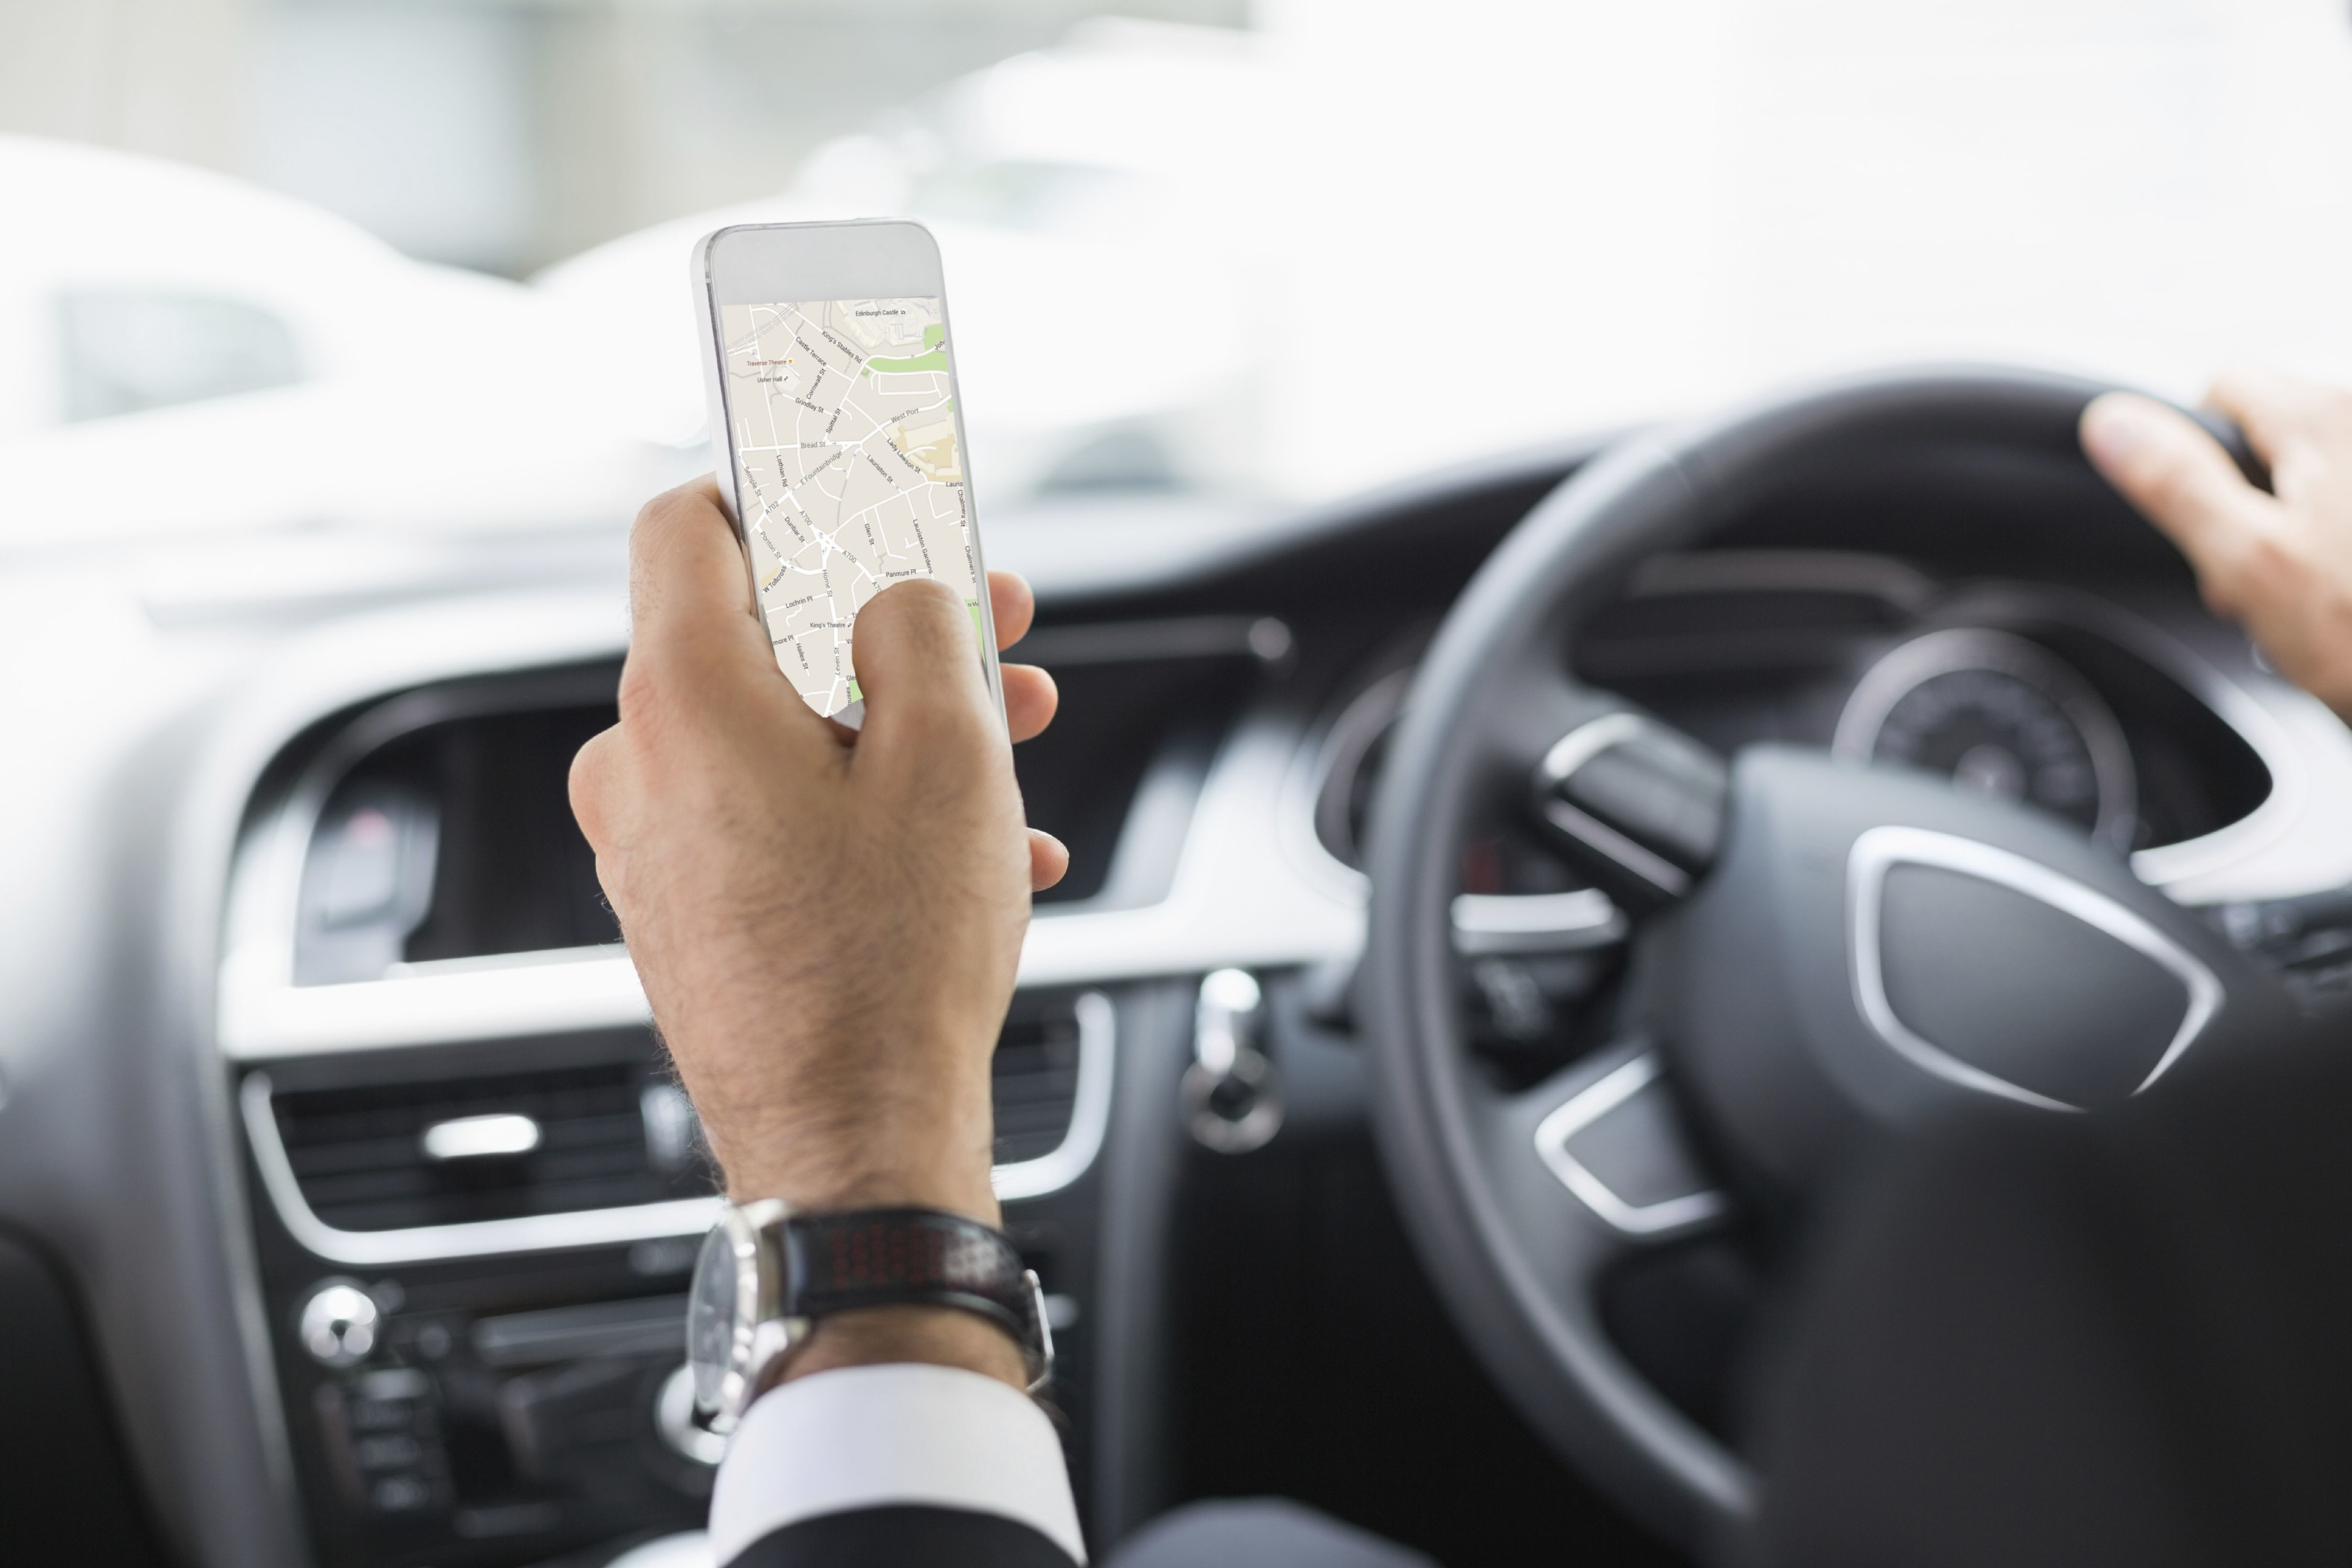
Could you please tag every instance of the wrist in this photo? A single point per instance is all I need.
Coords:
(885, 1147)
(779, 1295)
(813, 1180)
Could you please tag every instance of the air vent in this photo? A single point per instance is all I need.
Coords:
(394, 1157)
(1036, 1079)
(579, 1155)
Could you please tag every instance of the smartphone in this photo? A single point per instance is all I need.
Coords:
(837, 434)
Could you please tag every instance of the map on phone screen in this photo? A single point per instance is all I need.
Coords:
(847, 474)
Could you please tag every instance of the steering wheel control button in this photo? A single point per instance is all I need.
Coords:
(1619, 1145)
(339, 1324)
(1232, 1097)
(1946, 936)
(1643, 805)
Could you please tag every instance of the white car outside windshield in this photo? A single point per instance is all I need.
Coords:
(1369, 238)
(1358, 240)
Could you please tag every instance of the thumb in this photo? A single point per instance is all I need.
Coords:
(2165, 465)
(918, 667)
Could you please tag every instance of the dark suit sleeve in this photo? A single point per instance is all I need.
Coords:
(903, 1537)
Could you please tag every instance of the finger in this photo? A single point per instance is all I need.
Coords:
(918, 666)
(691, 620)
(1012, 605)
(1031, 699)
(1049, 860)
(2177, 474)
(589, 784)
(2288, 421)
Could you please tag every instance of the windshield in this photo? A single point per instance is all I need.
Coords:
(1201, 248)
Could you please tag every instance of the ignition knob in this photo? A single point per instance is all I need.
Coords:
(339, 1324)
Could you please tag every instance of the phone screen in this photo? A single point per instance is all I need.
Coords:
(848, 475)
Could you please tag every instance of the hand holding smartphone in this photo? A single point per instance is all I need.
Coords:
(836, 435)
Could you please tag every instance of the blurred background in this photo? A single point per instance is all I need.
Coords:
(418, 264)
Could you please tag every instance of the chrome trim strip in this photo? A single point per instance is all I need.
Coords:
(1588, 741)
(476, 1239)
(1089, 1109)
(1571, 751)
(1489, 924)
(1881, 848)
(535, 993)
(1600, 837)
(1089, 1120)
(1588, 1106)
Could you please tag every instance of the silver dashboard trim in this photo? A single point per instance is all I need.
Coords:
(1089, 1109)
(1234, 900)
(476, 1239)
(1098, 1021)
(1588, 1106)
(1505, 923)
(537, 994)
(1881, 848)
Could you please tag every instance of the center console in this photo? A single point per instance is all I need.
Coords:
(475, 1257)
(476, 1189)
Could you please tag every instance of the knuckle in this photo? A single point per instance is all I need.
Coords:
(2169, 483)
(644, 699)
(2272, 558)
(669, 508)
(2333, 431)
(2256, 570)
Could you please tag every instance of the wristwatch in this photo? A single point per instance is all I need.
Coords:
(767, 1274)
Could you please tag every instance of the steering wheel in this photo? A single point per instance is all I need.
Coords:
(1819, 953)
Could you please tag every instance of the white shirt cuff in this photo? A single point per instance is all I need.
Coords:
(868, 1436)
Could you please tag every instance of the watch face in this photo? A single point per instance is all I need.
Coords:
(710, 1316)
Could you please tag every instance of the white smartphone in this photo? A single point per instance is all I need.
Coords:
(837, 434)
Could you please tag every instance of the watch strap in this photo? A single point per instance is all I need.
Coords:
(912, 1257)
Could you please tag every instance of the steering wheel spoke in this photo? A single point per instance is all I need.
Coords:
(1610, 1132)
(1593, 1164)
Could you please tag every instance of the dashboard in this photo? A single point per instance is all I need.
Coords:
(372, 1086)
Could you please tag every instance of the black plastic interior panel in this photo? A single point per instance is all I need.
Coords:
(1776, 662)
(66, 1492)
(1079, 778)
(456, 840)
(514, 875)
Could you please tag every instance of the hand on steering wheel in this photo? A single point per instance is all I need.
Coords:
(2278, 564)
(1819, 951)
